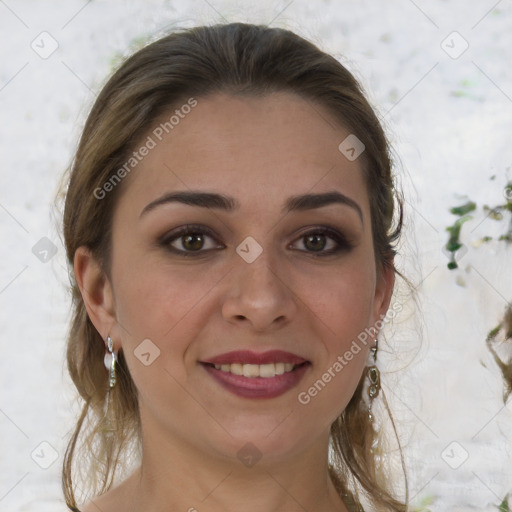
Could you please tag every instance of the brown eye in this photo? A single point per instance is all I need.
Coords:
(324, 242)
(192, 242)
(190, 239)
(315, 242)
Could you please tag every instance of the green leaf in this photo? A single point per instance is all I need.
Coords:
(453, 242)
(503, 506)
(463, 209)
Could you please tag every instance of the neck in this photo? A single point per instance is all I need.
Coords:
(177, 476)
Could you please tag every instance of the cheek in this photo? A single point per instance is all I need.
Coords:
(341, 303)
(342, 298)
(159, 313)
(161, 303)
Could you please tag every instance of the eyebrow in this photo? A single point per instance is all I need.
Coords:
(296, 203)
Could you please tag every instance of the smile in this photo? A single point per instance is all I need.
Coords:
(265, 371)
(251, 375)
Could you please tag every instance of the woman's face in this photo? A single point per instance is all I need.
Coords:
(261, 277)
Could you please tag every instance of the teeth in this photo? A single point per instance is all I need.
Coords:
(236, 369)
(251, 370)
(266, 370)
(256, 370)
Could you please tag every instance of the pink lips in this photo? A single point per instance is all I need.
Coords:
(257, 387)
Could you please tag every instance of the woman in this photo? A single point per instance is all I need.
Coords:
(230, 220)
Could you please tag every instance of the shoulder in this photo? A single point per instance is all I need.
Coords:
(117, 499)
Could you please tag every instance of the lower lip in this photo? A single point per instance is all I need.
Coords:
(258, 387)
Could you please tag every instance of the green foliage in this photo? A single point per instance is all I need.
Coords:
(454, 243)
(504, 328)
(503, 506)
(424, 504)
(464, 209)
(497, 213)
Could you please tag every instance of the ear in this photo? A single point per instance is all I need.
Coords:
(383, 290)
(97, 294)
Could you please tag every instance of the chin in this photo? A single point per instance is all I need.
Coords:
(268, 439)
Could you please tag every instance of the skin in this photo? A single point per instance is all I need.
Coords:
(260, 151)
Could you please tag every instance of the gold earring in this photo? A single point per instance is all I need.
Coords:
(374, 379)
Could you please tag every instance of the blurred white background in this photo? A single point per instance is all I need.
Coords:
(445, 99)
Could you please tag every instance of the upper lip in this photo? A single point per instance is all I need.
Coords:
(250, 357)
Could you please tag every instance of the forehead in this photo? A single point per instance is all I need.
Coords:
(260, 150)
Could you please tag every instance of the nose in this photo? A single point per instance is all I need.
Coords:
(259, 295)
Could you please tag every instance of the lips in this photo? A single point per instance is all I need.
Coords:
(249, 357)
(252, 375)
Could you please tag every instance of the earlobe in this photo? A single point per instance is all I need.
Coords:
(96, 291)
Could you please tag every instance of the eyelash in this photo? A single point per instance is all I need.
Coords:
(343, 245)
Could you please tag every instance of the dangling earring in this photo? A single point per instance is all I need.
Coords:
(110, 362)
(374, 379)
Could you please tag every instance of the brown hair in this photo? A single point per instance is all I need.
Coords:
(240, 59)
